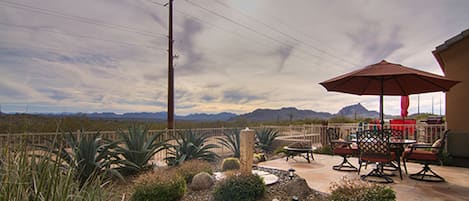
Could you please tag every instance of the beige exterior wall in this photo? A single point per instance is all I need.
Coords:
(455, 64)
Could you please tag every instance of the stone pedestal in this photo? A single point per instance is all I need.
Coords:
(246, 145)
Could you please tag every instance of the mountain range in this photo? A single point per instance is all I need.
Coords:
(282, 114)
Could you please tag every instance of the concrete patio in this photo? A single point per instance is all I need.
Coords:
(319, 175)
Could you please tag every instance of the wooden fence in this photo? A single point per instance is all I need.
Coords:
(312, 133)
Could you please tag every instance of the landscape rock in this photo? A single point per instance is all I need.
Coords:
(298, 187)
(201, 181)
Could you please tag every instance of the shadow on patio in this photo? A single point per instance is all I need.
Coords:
(319, 176)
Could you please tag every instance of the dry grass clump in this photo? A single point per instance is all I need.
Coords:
(357, 190)
(159, 185)
(192, 167)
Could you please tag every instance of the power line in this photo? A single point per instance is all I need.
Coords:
(255, 31)
(284, 34)
(47, 48)
(255, 42)
(237, 23)
(79, 18)
(31, 29)
(227, 31)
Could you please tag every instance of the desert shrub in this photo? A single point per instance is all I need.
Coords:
(240, 188)
(260, 157)
(35, 177)
(447, 158)
(190, 168)
(357, 190)
(230, 164)
(280, 150)
(326, 149)
(159, 185)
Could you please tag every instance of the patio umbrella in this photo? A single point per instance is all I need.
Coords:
(404, 106)
(386, 78)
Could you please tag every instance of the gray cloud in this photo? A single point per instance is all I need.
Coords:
(208, 98)
(12, 93)
(186, 44)
(55, 94)
(283, 52)
(221, 66)
(374, 42)
(239, 96)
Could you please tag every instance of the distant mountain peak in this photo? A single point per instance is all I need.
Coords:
(357, 110)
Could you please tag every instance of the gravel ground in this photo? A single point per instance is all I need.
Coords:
(277, 191)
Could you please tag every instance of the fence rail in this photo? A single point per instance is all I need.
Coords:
(314, 134)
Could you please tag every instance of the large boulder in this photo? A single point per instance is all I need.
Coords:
(201, 181)
(298, 187)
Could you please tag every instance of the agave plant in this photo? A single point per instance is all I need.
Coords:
(230, 140)
(138, 148)
(265, 138)
(190, 145)
(88, 155)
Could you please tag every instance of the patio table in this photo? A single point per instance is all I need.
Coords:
(399, 146)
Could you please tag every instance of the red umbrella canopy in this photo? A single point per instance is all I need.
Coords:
(386, 78)
(404, 106)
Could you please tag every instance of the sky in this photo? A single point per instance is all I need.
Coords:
(231, 55)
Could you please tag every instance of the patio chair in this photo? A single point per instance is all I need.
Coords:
(426, 154)
(397, 148)
(374, 147)
(342, 148)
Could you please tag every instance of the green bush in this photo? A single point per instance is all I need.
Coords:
(230, 164)
(160, 185)
(357, 190)
(447, 158)
(324, 150)
(190, 168)
(260, 157)
(240, 188)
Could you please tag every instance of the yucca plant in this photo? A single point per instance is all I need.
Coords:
(265, 138)
(88, 155)
(230, 140)
(190, 145)
(137, 148)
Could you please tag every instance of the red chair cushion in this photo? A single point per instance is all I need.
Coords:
(379, 158)
(420, 155)
(345, 151)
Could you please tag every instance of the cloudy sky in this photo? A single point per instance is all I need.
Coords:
(232, 55)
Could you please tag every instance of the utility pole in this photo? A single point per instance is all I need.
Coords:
(418, 104)
(440, 105)
(170, 68)
(432, 105)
